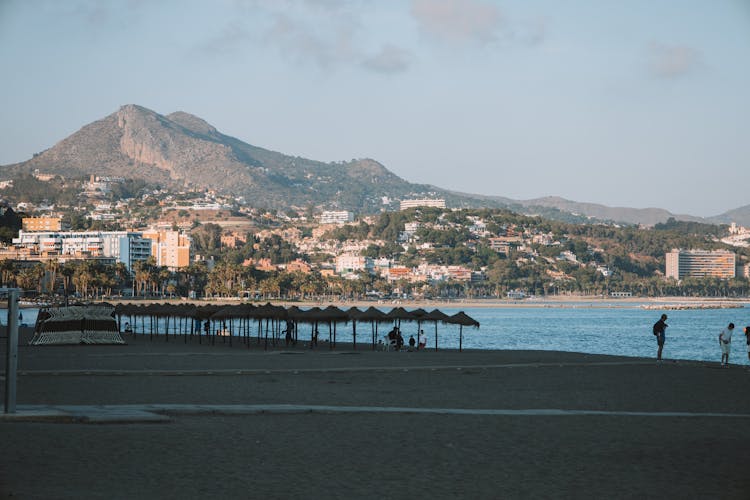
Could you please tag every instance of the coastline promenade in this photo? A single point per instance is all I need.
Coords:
(157, 419)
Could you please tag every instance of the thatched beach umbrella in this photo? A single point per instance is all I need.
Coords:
(185, 313)
(437, 316)
(312, 316)
(125, 309)
(273, 315)
(373, 316)
(295, 316)
(399, 313)
(204, 313)
(354, 314)
(419, 316)
(232, 312)
(333, 315)
(462, 319)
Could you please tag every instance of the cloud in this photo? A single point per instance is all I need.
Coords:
(228, 41)
(672, 61)
(458, 20)
(390, 60)
(325, 42)
(327, 34)
(531, 32)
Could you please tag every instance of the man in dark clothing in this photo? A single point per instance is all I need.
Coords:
(660, 328)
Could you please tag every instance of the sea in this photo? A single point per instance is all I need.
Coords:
(595, 328)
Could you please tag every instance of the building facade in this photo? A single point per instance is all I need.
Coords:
(348, 264)
(123, 246)
(700, 264)
(426, 202)
(169, 248)
(41, 224)
(336, 217)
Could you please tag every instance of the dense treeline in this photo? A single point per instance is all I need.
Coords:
(545, 257)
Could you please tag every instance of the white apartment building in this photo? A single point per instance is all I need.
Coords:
(425, 202)
(350, 263)
(124, 246)
(336, 217)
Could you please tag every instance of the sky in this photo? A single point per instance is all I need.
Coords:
(644, 103)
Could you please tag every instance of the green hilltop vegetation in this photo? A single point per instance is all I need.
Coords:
(543, 257)
(635, 256)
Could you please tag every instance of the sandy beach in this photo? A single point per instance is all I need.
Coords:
(369, 424)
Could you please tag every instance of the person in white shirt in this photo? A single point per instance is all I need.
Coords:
(725, 341)
(422, 343)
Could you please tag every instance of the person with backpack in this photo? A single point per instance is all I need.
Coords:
(660, 328)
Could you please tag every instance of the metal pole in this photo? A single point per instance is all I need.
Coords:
(11, 363)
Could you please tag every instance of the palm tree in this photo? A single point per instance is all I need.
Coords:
(67, 270)
(141, 274)
(164, 277)
(122, 275)
(9, 269)
(27, 278)
(52, 267)
(270, 286)
(83, 277)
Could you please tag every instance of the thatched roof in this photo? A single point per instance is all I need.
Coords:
(461, 318)
(270, 311)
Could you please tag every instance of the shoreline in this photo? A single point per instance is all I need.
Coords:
(572, 301)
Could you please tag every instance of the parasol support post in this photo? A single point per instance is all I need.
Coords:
(11, 362)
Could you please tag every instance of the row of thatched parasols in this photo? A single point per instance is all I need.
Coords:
(238, 320)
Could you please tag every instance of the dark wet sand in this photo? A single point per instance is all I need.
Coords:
(371, 455)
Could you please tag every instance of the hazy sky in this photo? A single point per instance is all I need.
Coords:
(639, 103)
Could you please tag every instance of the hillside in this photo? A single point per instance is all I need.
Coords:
(646, 216)
(739, 215)
(182, 151)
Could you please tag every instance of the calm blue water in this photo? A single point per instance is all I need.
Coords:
(617, 330)
(692, 334)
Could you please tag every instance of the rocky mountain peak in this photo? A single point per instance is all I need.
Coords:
(192, 123)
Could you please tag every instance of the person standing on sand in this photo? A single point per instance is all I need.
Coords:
(747, 338)
(725, 341)
(660, 329)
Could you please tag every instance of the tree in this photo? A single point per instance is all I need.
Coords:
(8, 269)
(207, 238)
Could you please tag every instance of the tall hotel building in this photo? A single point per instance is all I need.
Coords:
(170, 248)
(700, 264)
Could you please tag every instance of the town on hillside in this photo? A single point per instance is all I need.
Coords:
(113, 237)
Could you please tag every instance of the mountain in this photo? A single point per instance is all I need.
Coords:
(739, 215)
(182, 151)
(646, 216)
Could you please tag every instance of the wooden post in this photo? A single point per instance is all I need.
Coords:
(11, 362)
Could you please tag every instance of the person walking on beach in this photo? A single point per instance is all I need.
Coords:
(725, 341)
(660, 329)
(747, 338)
